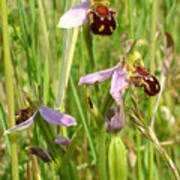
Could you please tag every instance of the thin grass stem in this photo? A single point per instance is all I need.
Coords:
(152, 69)
(83, 119)
(131, 21)
(9, 89)
(101, 149)
(153, 36)
(138, 145)
(47, 53)
(5, 127)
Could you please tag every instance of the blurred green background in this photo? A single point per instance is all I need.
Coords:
(32, 46)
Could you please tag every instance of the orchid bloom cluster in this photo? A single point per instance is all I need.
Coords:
(123, 74)
(101, 18)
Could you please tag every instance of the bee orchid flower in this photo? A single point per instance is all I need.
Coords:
(28, 116)
(122, 76)
(100, 17)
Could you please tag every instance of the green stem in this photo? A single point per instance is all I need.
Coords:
(152, 69)
(88, 38)
(138, 144)
(153, 36)
(9, 89)
(151, 160)
(47, 53)
(101, 149)
(131, 25)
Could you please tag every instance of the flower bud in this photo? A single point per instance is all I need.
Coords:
(115, 120)
(117, 161)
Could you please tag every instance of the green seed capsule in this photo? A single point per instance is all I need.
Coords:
(117, 161)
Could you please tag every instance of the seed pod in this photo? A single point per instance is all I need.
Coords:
(117, 161)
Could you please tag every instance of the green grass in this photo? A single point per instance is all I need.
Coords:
(42, 55)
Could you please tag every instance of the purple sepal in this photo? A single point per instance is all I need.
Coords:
(22, 125)
(117, 122)
(56, 117)
(76, 16)
(118, 84)
(62, 140)
(98, 77)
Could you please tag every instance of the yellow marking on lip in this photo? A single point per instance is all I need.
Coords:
(111, 28)
(102, 19)
(151, 79)
(109, 18)
(91, 18)
(147, 85)
(157, 86)
(101, 28)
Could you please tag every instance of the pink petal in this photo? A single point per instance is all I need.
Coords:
(98, 77)
(56, 117)
(118, 84)
(76, 16)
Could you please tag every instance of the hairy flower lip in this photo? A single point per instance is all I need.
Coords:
(102, 20)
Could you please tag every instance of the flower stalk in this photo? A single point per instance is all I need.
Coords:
(138, 144)
(9, 89)
(152, 69)
(101, 150)
(131, 25)
(88, 38)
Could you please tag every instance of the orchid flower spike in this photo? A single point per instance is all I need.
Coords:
(25, 117)
(100, 17)
(122, 76)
